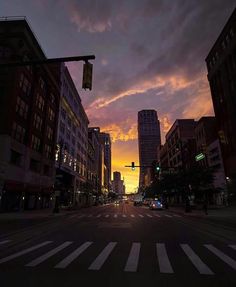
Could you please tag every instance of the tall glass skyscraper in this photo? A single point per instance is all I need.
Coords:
(149, 138)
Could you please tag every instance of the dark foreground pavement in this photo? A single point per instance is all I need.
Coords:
(118, 246)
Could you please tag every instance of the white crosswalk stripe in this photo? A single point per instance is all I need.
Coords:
(163, 260)
(176, 215)
(18, 254)
(123, 215)
(4, 242)
(166, 215)
(157, 215)
(148, 215)
(107, 215)
(99, 215)
(49, 254)
(115, 215)
(102, 257)
(70, 258)
(132, 259)
(132, 215)
(228, 260)
(197, 262)
(141, 215)
(132, 262)
(233, 246)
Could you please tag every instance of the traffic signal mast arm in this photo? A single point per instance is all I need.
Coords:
(48, 61)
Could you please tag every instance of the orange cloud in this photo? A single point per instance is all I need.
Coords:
(125, 131)
(201, 104)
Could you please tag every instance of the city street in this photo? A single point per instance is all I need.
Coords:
(117, 245)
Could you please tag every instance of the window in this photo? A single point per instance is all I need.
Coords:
(25, 84)
(46, 170)
(41, 83)
(51, 114)
(63, 113)
(39, 102)
(69, 122)
(37, 122)
(68, 134)
(34, 165)
(15, 158)
(35, 143)
(48, 151)
(62, 127)
(21, 108)
(18, 132)
(49, 133)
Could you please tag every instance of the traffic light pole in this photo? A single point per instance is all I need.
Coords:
(47, 61)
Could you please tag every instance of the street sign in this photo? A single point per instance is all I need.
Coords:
(199, 157)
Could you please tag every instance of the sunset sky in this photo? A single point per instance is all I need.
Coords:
(150, 54)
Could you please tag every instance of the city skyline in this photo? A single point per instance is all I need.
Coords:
(170, 77)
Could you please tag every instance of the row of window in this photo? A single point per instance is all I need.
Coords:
(224, 44)
(17, 159)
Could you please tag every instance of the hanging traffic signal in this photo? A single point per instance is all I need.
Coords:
(87, 76)
(132, 165)
(158, 168)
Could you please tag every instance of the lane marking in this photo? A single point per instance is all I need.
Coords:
(233, 246)
(176, 215)
(167, 215)
(71, 257)
(195, 259)
(49, 254)
(157, 215)
(99, 215)
(5, 241)
(132, 215)
(102, 257)
(107, 215)
(90, 215)
(115, 215)
(163, 260)
(132, 262)
(124, 215)
(15, 255)
(141, 215)
(149, 215)
(228, 260)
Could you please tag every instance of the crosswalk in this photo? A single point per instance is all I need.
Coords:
(123, 215)
(132, 256)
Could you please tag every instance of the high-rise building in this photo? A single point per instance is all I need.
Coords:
(72, 144)
(29, 103)
(221, 66)
(105, 141)
(149, 138)
(118, 184)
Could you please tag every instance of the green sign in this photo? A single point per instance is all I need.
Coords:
(200, 156)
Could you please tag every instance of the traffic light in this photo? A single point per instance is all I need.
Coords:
(158, 168)
(87, 76)
(132, 165)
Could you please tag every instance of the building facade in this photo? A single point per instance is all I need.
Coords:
(105, 141)
(149, 139)
(221, 66)
(29, 106)
(180, 141)
(118, 184)
(72, 145)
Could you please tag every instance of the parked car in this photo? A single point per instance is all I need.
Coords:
(156, 204)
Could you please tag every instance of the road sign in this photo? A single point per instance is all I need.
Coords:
(199, 157)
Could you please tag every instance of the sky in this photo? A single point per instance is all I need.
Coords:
(150, 54)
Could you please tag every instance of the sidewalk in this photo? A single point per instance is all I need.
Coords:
(213, 211)
(39, 213)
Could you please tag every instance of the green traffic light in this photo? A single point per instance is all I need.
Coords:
(158, 168)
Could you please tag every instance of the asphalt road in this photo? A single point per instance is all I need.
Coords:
(119, 246)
